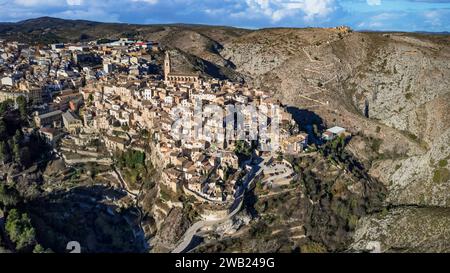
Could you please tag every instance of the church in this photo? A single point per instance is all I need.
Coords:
(177, 77)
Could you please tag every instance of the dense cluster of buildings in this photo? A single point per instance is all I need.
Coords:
(110, 91)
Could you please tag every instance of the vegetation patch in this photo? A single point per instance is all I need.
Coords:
(15, 146)
(376, 144)
(313, 247)
(441, 175)
(443, 163)
(20, 231)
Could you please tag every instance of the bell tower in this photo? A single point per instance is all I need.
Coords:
(166, 66)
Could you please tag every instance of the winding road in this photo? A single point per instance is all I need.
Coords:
(189, 235)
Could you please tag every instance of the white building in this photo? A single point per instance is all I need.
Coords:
(108, 68)
(8, 81)
(148, 94)
(333, 132)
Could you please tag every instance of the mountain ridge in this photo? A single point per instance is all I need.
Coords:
(56, 20)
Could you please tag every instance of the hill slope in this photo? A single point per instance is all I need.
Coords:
(390, 89)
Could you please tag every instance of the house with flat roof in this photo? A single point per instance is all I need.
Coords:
(333, 132)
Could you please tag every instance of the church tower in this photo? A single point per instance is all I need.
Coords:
(166, 66)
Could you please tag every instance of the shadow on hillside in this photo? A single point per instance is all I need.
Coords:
(306, 120)
(305, 117)
(89, 216)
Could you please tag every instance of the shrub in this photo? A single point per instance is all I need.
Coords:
(38, 249)
(443, 163)
(376, 143)
(132, 159)
(313, 247)
(8, 196)
(441, 175)
(352, 221)
(19, 229)
(243, 148)
(259, 230)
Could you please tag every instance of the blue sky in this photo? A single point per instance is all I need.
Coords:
(401, 15)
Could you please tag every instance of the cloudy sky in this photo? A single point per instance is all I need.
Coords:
(403, 15)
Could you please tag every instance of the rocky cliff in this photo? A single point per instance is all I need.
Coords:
(391, 90)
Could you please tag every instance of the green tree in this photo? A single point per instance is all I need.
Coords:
(3, 129)
(19, 229)
(39, 249)
(5, 155)
(16, 153)
(338, 144)
(5, 106)
(23, 107)
(17, 139)
(145, 133)
(243, 148)
(9, 197)
(24, 156)
(132, 159)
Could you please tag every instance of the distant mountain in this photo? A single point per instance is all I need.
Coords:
(45, 30)
(396, 31)
(50, 30)
(434, 33)
(197, 45)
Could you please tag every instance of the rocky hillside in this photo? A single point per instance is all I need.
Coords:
(391, 90)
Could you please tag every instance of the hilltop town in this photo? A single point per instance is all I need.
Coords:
(81, 93)
(97, 102)
(136, 144)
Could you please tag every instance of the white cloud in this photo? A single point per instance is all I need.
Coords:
(74, 2)
(93, 14)
(278, 10)
(433, 17)
(318, 8)
(31, 3)
(386, 16)
(36, 3)
(151, 2)
(374, 2)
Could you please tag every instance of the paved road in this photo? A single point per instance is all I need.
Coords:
(189, 235)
